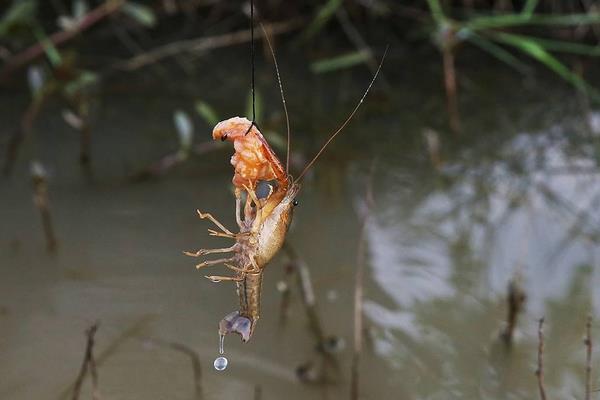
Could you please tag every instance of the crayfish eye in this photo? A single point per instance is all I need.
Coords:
(224, 138)
(295, 203)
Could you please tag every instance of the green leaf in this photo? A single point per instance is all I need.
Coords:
(208, 113)
(49, 48)
(141, 13)
(20, 12)
(323, 16)
(258, 106)
(537, 52)
(339, 62)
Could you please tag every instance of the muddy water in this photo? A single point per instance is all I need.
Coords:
(515, 196)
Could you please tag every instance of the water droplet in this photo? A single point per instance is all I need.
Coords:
(220, 363)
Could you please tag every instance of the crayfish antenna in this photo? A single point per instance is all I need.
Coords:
(285, 110)
(347, 119)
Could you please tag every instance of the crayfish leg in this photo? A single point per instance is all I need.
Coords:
(203, 252)
(214, 220)
(217, 279)
(214, 262)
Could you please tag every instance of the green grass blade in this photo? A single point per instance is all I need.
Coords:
(141, 13)
(562, 46)
(510, 20)
(537, 52)
(340, 62)
(529, 7)
(436, 11)
(324, 14)
(498, 52)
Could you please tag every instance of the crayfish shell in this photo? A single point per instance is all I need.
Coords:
(253, 160)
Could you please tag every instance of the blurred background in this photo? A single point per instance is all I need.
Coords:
(461, 201)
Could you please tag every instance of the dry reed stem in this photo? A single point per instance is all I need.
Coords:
(128, 333)
(169, 161)
(204, 44)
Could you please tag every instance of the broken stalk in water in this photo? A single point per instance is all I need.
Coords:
(539, 373)
(315, 326)
(89, 362)
(588, 358)
(515, 300)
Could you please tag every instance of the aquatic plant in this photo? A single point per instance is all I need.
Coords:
(489, 33)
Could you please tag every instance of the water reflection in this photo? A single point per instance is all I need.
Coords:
(528, 208)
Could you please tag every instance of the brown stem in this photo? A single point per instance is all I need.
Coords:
(204, 44)
(540, 369)
(588, 359)
(451, 87)
(58, 38)
(131, 331)
(169, 161)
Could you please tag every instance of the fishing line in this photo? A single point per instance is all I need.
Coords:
(252, 67)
